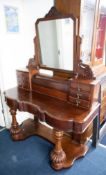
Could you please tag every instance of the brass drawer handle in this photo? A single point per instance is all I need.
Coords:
(79, 89)
(77, 102)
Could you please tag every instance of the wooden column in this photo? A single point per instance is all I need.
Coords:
(15, 129)
(58, 156)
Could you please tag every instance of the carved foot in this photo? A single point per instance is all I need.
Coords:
(15, 129)
(58, 156)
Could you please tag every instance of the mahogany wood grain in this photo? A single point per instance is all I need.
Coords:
(69, 7)
(59, 114)
(60, 91)
(54, 87)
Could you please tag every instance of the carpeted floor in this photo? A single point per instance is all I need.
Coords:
(2, 128)
(31, 157)
(103, 140)
(103, 133)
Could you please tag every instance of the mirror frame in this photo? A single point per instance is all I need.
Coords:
(52, 15)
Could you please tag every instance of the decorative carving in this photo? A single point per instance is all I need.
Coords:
(15, 129)
(53, 13)
(58, 156)
(31, 64)
(84, 71)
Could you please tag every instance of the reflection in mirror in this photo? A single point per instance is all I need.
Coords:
(46, 72)
(56, 43)
(101, 32)
(86, 28)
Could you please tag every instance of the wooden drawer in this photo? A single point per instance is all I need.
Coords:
(80, 86)
(84, 137)
(79, 102)
(79, 94)
(23, 79)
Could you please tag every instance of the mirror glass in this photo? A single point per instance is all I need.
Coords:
(86, 28)
(56, 39)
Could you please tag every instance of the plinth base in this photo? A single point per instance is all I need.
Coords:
(72, 150)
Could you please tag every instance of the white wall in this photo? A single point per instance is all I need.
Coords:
(34, 9)
(49, 50)
(16, 49)
(65, 43)
(12, 46)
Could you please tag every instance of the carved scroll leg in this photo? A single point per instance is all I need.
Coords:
(58, 156)
(15, 129)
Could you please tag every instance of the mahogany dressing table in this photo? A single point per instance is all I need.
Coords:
(67, 101)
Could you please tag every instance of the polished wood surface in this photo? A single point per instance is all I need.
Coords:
(69, 7)
(56, 113)
(61, 88)
(53, 86)
(61, 115)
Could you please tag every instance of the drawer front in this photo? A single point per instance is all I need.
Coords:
(49, 83)
(23, 79)
(80, 86)
(79, 102)
(80, 94)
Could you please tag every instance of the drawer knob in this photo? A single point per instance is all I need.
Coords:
(79, 95)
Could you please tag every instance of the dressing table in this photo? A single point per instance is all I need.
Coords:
(66, 99)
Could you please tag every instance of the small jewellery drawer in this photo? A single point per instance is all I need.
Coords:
(80, 86)
(79, 102)
(79, 94)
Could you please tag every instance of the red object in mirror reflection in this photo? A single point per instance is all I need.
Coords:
(101, 36)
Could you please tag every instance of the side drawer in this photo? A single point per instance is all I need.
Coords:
(80, 86)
